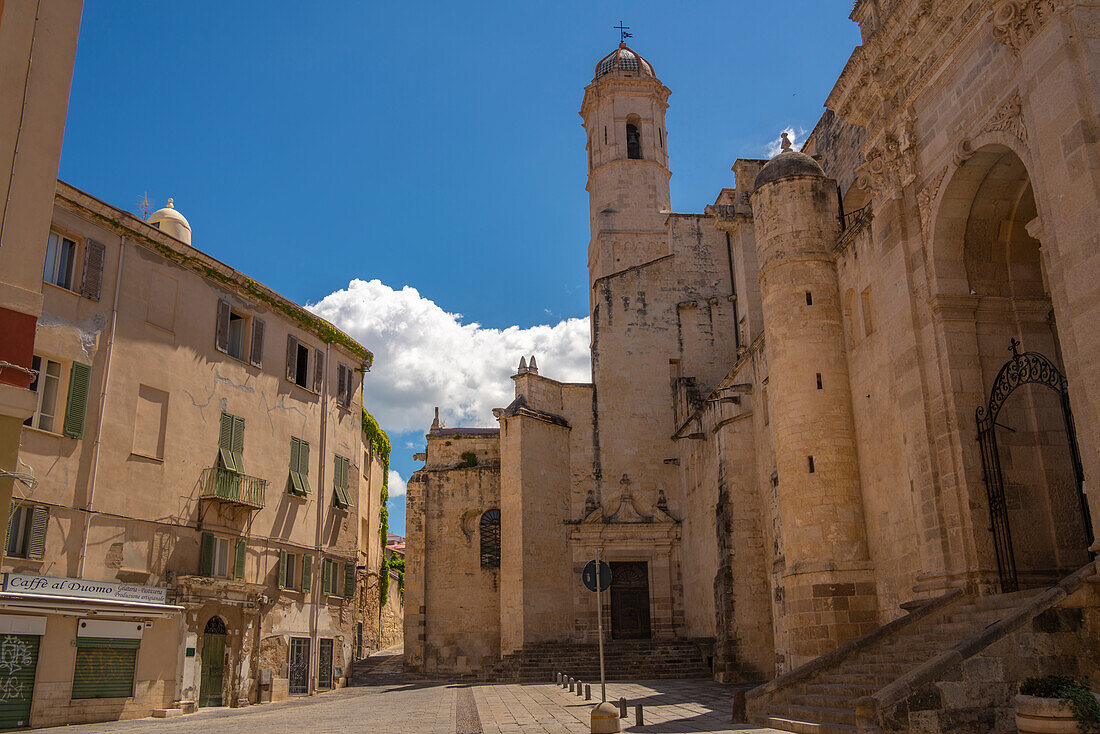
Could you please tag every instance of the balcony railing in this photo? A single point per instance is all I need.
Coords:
(233, 488)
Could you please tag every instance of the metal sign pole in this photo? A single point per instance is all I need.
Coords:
(599, 622)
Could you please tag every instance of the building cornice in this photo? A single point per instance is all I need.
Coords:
(152, 239)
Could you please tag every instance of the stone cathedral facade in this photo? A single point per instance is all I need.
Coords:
(858, 393)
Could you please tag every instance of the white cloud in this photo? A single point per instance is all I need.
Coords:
(775, 147)
(426, 357)
(396, 485)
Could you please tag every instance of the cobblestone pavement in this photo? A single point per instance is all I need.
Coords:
(388, 703)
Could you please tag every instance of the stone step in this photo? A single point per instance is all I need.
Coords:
(802, 727)
(824, 701)
(846, 717)
(840, 690)
(858, 679)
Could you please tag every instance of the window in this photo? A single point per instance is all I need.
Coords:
(222, 557)
(341, 476)
(46, 384)
(819, 386)
(290, 567)
(490, 539)
(297, 364)
(237, 324)
(237, 332)
(345, 385)
(27, 531)
(299, 467)
(633, 141)
(150, 422)
(660, 139)
(231, 443)
(811, 463)
(60, 254)
(809, 298)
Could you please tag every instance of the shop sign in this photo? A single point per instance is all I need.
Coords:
(29, 583)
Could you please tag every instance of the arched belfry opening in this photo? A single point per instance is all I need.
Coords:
(633, 138)
(1023, 473)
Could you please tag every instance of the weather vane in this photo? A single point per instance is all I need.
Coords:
(622, 29)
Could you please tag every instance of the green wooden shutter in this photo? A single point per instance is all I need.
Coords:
(206, 555)
(78, 400)
(104, 667)
(282, 569)
(295, 480)
(238, 442)
(341, 474)
(303, 465)
(307, 572)
(238, 561)
(13, 513)
(349, 580)
(36, 542)
(326, 576)
(225, 443)
(20, 661)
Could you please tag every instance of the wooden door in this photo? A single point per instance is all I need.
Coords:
(213, 669)
(630, 600)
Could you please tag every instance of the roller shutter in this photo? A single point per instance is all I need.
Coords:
(18, 659)
(104, 667)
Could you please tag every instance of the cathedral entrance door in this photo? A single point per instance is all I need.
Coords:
(630, 600)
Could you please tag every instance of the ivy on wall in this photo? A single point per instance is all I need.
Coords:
(380, 447)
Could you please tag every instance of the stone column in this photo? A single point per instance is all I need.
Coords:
(828, 582)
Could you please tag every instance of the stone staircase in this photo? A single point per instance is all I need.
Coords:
(824, 701)
(380, 668)
(623, 660)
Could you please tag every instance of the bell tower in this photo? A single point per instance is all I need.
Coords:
(624, 118)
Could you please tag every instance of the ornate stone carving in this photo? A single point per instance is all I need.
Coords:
(892, 164)
(1007, 118)
(925, 198)
(1016, 22)
(963, 151)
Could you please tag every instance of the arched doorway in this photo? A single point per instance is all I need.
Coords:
(1022, 477)
(1068, 529)
(212, 676)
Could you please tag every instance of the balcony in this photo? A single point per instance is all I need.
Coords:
(232, 488)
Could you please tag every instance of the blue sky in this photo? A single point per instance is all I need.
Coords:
(416, 172)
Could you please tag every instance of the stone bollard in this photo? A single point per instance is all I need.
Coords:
(605, 719)
(571, 684)
(638, 715)
(579, 687)
(622, 707)
(557, 678)
(587, 692)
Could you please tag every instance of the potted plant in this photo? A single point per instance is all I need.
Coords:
(1056, 705)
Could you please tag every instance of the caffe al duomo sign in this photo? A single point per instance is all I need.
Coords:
(46, 586)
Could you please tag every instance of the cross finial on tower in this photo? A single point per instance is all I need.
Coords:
(622, 29)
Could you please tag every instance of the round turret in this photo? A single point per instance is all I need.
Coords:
(626, 61)
(788, 163)
(171, 222)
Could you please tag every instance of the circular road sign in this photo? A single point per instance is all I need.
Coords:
(589, 576)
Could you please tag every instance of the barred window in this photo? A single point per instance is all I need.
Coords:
(490, 539)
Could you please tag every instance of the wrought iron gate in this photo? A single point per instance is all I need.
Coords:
(1021, 369)
(299, 666)
(324, 664)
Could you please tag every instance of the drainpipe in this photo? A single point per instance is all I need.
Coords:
(733, 294)
(315, 588)
(102, 408)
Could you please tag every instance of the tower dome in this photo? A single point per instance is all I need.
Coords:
(789, 162)
(171, 222)
(626, 60)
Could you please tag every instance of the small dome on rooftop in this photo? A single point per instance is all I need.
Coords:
(626, 60)
(171, 222)
(788, 163)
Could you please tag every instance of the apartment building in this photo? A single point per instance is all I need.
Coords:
(194, 534)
